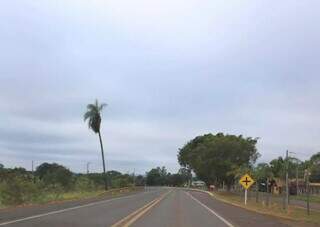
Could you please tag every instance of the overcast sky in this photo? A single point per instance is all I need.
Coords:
(169, 71)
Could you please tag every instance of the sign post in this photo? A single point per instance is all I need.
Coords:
(245, 196)
(246, 181)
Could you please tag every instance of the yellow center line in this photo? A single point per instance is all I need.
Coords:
(125, 219)
(134, 216)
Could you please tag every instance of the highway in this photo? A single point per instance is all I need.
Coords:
(153, 207)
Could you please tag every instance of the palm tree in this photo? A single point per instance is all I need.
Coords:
(93, 115)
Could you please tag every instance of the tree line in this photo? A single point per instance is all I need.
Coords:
(221, 159)
(161, 177)
(18, 185)
(51, 180)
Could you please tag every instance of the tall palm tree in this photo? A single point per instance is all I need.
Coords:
(93, 115)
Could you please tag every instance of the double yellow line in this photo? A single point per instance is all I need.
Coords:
(134, 216)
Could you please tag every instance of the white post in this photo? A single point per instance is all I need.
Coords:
(245, 196)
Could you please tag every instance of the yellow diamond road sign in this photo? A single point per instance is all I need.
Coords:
(246, 181)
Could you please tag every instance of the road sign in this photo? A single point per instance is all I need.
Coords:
(246, 181)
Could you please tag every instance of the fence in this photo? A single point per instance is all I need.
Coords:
(270, 199)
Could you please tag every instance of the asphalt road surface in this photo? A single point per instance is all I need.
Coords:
(154, 207)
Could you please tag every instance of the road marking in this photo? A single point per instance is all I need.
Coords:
(134, 219)
(210, 210)
(68, 209)
(134, 216)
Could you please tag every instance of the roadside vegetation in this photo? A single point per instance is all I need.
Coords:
(294, 213)
(220, 160)
(54, 182)
(312, 198)
(160, 177)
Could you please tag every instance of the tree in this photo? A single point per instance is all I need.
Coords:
(185, 174)
(140, 180)
(263, 175)
(160, 177)
(93, 115)
(278, 167)
(154, 177)
(113, 174)
(215, 158)
(315, 167)
(175, 180)
(263, 171)
(157, 176)
(54, 174)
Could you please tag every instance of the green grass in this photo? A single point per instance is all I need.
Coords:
(54, 197)
(313, 198)
(91, 194)
(74, 195)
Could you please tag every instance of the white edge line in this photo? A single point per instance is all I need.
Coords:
(211, 211)
(67, 209)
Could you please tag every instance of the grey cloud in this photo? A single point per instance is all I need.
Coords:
(168, 73)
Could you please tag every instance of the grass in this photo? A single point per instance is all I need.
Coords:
(74, 195)
(275, 209)
(91, 194)
(313, 198)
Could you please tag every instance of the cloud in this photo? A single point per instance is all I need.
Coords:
(169, 71)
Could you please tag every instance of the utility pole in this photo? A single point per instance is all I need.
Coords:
(268, 194)
(134, 177)
(32, 171)
(297, 173)
(287, 180)
(297, 179)
(308, 190)
(88, 164)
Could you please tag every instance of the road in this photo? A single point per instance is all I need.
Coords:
(155, 207)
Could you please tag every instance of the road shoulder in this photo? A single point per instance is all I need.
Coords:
(20, 212)
(295, 217)
(238, 215)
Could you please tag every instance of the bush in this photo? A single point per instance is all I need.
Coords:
(120, 183)
(21, 191)
(17, 191)
(54, 174)
(83, 183)
(53, 192)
